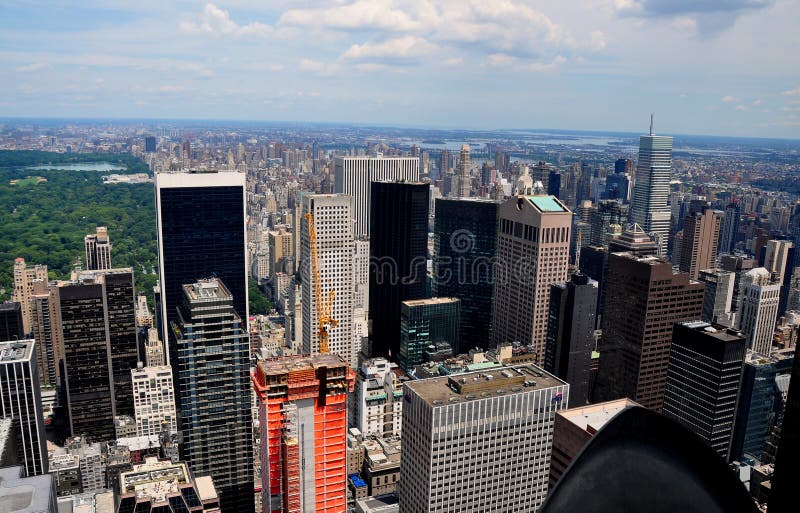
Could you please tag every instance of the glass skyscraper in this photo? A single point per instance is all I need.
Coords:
(201, 234)
(649, 207)
(211, 366)
(424, 322)
(465, 232)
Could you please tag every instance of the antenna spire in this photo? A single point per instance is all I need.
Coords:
(651, 124)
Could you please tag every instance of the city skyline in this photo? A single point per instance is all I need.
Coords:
(549, 66)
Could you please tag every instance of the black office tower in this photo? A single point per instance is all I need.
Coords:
(465, 232)
(398, 257)
(782, 497)
(570, 334)
(201, 233)
(703, 376)
(211, 369)
(11, 321)
(149, 144)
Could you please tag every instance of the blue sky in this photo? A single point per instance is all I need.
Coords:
(723, 67)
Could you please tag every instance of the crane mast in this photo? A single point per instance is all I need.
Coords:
(324, 306)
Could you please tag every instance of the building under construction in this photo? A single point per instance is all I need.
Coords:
(303, 418)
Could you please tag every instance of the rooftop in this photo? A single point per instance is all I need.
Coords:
(287, 364)
(24, 494)
(715, 332)
(209, 288)
(547, 204)
(469, 386)
(155, 478)
(431, 301)
(16, 351)
(593, 417)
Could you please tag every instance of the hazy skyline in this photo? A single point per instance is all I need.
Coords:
(704, 66)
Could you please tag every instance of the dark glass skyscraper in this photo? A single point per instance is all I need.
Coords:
(424, 322)
(210, 364)
(705, 367)
(201, 233)
(11, 321)
(465, 232)
(398, 253)
(570, 334)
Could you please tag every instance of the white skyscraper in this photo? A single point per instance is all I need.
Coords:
(379, 398)
(649, 208)
(479, 441)
(332, 217)
(353, 176)
(98, 250)
(760, 298)
(154, 400)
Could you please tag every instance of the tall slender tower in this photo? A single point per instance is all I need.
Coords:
(21, 401)
(332, 217)
(532, 254)
(700, 239)
(24, 277)
(760, 300)
(398, 250)
(211, 363)
(649, 208)
(464, 176)
(98, 249)
(201, 233)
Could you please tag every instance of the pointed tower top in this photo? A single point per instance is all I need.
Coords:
(651, 124)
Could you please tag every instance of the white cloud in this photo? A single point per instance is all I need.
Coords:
(500, 60)
(320, 68)
(597, 40)
(399, 48)
(757, 102)
(453, 61)
(740, 108)
(362, 14)
(685, 23)
(792, 92)
(217, 22)
(729, 99)
(34, 66)
(540, 67)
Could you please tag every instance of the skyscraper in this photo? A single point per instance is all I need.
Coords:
(98, 333)
(465, 239)
(21, 401)
(464, 175)
(705, 368)
(47, 332)
(700, 239)
(154, 400)
(532, 254)
(469, 446)
(730, 228)
(398, 251)
(618, 183)
(570, 334)
(210, 362)
(353, 176)
(332, 218)
(424, 322)
(149, 144)
(760, 404)
(606, 213)
(201, 233)
(98, 249)
(784, 479)
(644, 298)
(718, 296)
(760, 299)
(24, 278)
(11, 321)
(649, 207)
(378, 398)
(302, 404)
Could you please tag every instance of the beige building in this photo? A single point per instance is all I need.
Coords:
(532, 253)
(281, 248)
(98, 250)
(698, 248)
(24, 278)
(163, 485)
(46, 327)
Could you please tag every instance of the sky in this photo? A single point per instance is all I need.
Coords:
(717, 67)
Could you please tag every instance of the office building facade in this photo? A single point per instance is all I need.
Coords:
(302, 403)
(759, 309)
(24, 278)
(649, 208)
(201, 233)
(718, 296)
(570, 334)
(424, 322)
(644, 298)
(353, 176)
(21, 401)
(479, 441)
(378, 398)
(332, 218)
(210, 363)
(532, 254)
(154, 400)
(398, 253)
(97, 249)
(700, 240)
(703, 376)
(465, 241)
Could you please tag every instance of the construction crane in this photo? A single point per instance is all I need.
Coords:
(324, 307)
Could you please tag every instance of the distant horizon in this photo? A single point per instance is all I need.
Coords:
(443, 128)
